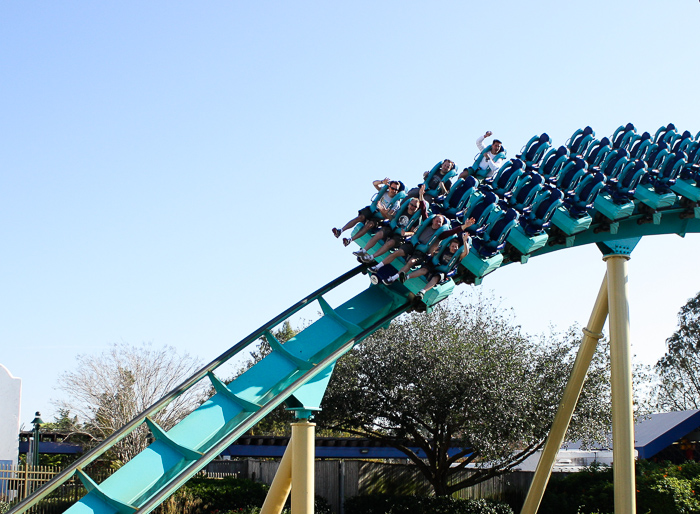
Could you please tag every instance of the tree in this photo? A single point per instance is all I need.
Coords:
(109, 389)
(463, 375)
(679, 369)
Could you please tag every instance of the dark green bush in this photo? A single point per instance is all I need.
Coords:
(661, 489)
(388, 504)
(223, 494)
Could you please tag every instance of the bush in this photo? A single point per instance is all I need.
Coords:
(387, 504)
(668, 488)
(586, 492)
(225, 496)
(208, 495)
(661, 489)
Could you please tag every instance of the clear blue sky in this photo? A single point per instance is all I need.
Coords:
(170, 171)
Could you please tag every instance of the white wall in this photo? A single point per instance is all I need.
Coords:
(10, 390)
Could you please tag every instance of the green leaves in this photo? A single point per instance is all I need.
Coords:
(679, 382)
(463, 375)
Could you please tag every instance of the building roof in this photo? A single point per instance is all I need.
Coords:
(657, 431)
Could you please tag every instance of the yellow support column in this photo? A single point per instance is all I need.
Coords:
(621, 385)
(281, 485)
(303, 452)
(592, 333)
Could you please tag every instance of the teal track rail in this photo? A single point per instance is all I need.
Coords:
(175, 456)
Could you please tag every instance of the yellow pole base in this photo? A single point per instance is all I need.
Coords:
(303, 452)
(621, 386)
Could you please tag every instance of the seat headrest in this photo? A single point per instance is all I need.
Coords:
(490, 197)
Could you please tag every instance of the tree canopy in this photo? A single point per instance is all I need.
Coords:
(463, 375)
(109, 389)
(678, 370)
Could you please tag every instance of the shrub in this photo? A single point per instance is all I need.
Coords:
(661, 489)
(387, 504)
(208, 495)
(586, 492)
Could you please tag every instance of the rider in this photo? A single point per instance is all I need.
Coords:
(396, 231)
(383, 207)
(491, 160)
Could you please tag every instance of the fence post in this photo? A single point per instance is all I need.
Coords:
(25, 493)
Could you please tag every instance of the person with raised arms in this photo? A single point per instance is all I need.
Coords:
(383, 207)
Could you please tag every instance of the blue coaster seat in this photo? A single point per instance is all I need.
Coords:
(457, 197)
(572, 173)
(525, 191)
(623, 136)
(580, 140)
(552, 162)
(598, 151)
(666, 171)
(533, 151)
(506, 177)
(537, 217)
(493, 239)
(480, 207)
(682, 142)
(621, 188)
(664, 133)
(580, 201)
(656, 155)
(688, 184)
(640, 145)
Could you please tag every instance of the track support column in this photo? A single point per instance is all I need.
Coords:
(592, 333)
(621, 385)
(281, 485)
(303, 452)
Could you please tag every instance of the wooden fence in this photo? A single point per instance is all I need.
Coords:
(335, 481)
(340, 479)
(18, 482)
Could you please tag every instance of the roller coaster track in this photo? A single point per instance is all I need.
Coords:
(658, 201)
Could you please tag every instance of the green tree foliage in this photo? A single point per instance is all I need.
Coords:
(109, 389)
(463, 375)
(679, 368)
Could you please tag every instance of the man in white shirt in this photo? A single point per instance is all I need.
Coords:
(491, 161)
